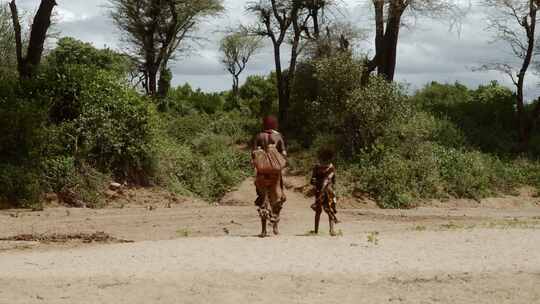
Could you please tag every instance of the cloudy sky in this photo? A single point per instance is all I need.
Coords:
(428, 49)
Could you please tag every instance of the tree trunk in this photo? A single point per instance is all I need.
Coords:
(525, 123)
(18, 39)
(42, 21)
(164, 82)
(386, 40)
(38, 34)
(152, 81)
(387, 63)
(379, 30)
(236, 85)
(282, 96)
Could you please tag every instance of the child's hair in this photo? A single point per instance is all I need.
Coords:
(325, 155)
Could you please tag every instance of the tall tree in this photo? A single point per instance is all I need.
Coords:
(388, 22)
(237, 49)
(282, 21)
(514, 22)
(156, 29)
(323, 28)
(28, 63)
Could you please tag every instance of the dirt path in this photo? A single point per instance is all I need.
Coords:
(196, 253)
(482, 266)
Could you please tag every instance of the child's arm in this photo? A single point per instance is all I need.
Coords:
(330, 178)
(313, 180)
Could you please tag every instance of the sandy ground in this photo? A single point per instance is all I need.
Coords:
(196, 253)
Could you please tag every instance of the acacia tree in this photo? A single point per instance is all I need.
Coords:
(282, 22)
(28, 63)
(156, 29)
(237, 49)
(388, 22)
(514, 22)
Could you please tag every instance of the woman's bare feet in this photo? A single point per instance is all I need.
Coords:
(276, 229)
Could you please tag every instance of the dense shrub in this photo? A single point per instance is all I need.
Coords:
(320, 93)
(401, 149)
(184, 100)
(22, 121)
(100, 119)
(70, 51)
(485, 116)
(19, 185)
(371, 113)
(115, 129)
(79, 123)
(259, 95)
(198, 155)
(66, 130)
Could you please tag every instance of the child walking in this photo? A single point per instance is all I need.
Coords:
(324, 179)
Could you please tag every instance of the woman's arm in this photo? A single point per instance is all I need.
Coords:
(280, 145)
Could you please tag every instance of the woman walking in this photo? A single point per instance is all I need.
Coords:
(269, 157)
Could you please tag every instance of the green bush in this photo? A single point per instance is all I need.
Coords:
(485, 116)
(116, 129)
(396, 179)
(19, 186)
(22, 121)
(109, 125)
(371, 113)
(68, 129)
(200, 158)
(403, 149)
(63, 174)
(184, 100)
(259, 95)
(319, 96)
(70, 51)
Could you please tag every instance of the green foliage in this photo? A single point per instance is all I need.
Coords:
(19, 184)
(184, 100)
(100, 119)
(64, 174)
(237, 49)
(198, 155)
(70, 51)
(22, 122)
(485, 115)
(70, 127)
(259, 95)
(78, 124)
(402, 149)
(321, 90)
(115, 131)
(371, 113)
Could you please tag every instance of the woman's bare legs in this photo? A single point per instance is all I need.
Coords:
(317, 220)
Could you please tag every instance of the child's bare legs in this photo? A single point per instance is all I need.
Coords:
(317, 220)
(263, 228)
(318, 211)
(331, 223)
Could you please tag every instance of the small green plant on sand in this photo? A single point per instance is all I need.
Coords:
(183, 232)
(420, 228)
(373, 237)
(451, 226)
